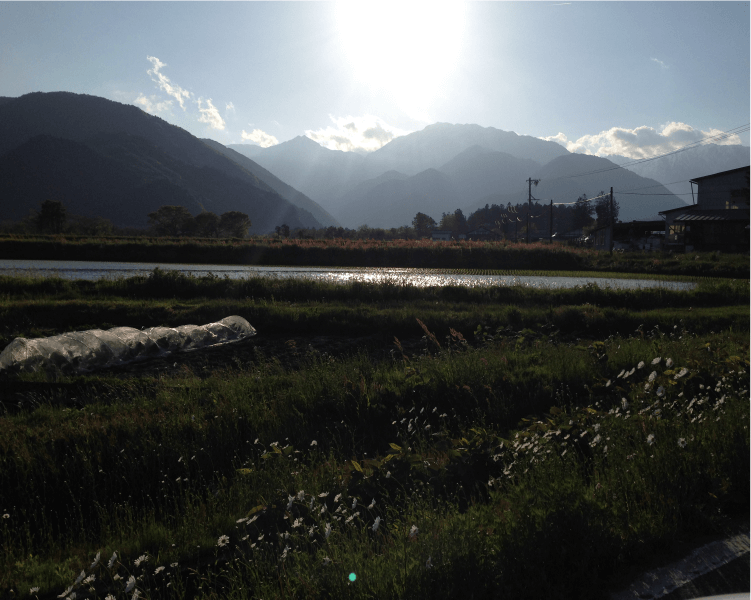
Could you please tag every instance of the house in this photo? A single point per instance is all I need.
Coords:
(441, 234)
(634, 235)
(718, 221)
(484, 232)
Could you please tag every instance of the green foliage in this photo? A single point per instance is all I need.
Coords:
(501, 464)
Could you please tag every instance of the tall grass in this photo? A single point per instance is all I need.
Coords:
(532, 444)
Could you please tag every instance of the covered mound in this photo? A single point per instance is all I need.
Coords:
(87, 350)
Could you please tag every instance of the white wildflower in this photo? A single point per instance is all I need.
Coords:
(313, 443)
(290, 499)
(388, 474)
(141, 559)
(624, 403)
(669, 363)
(311, 531)
(681, 442)
(657, 360)
(312, 499)
(79, 579)
(327, 531)
(681, 373)
(96, 561)
(660, 391)
(337, 497)
(33, 590)
(136, 595)
(652, 376)
(651, 439)
(413, 531)
(371, 505)
(323, 509)
(354, 503)
(301, 495)
(323, 494)
(326, 561)
(222, 541)
(158, 570)
(131, 584)
(640, 365)
(376, 523)
(429, 563)
(91, 578)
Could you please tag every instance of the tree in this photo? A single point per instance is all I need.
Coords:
(456, 222)
(51, 218)
(583, 211)
(234, 224)
(282, 230)
(602, 209)
(423, 225)
(90, 226)
(206, 224)
(171, 220)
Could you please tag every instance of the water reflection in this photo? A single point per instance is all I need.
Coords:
(395, 276)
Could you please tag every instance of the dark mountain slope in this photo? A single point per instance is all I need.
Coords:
(86, 119)
(123, 178)
(285, 191)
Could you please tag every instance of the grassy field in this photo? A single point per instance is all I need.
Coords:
(430, 443)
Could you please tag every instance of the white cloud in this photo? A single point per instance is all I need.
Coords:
(164, 83)
(642, 142)
(229, 107)
(659, 62)
(263, 139)
(152, 105)
(210, 114)
(355, 134)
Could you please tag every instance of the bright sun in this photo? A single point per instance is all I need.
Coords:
(405, 49)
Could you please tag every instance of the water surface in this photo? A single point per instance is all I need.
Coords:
(418, 277)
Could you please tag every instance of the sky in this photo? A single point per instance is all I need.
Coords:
(630, 78)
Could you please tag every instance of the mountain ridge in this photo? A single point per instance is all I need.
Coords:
(83, 119)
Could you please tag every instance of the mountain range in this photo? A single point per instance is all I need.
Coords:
(445, 167)
(112, 160)
(103, 158)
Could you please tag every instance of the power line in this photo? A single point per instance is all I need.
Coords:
(717, 137)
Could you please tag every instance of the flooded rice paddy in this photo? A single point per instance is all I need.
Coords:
(398, 276)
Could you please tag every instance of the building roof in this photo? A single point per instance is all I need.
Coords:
(698, 179)
(714, 215)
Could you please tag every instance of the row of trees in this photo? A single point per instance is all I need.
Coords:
(53, 218)
(177, 221)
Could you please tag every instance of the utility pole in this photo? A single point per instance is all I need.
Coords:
(612, 222)
(551, 221)
(529, 207)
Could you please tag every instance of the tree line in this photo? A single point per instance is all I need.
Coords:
(507, 221)
(175, 221)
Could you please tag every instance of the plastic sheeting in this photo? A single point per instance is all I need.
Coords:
(80, 351)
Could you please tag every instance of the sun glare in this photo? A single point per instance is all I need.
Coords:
(405, 49)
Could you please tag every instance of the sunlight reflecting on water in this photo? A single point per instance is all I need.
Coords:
(392, 276)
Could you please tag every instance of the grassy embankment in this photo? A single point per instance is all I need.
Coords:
(537, 443)
(370, 253)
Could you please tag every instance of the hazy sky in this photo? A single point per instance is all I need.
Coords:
(634, 78)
